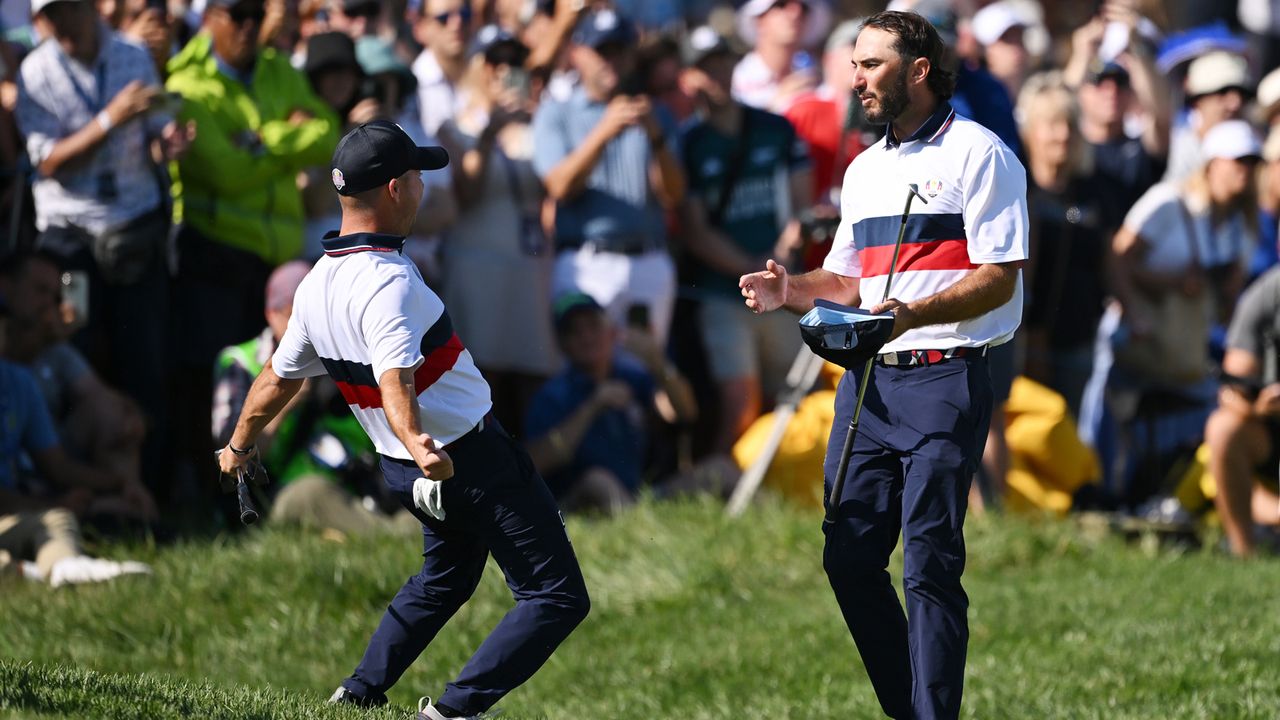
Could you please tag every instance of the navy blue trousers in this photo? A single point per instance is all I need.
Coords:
(920, 439)
(495, 503)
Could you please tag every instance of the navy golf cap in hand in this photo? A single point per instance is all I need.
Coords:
(376, 153)
(844, 335)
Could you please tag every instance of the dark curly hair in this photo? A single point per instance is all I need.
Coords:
(915, 38)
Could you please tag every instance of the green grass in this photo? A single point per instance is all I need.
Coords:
(693, 616)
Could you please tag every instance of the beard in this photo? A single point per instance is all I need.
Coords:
(891, 101)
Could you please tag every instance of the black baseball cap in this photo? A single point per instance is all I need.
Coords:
(568, 306)
(378, 152)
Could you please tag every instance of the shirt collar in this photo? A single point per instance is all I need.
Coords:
(336, 245)
(937, 124)
(244, 78)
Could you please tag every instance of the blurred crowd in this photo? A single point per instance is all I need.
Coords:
(616, 165)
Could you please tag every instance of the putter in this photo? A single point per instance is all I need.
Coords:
(837, 484)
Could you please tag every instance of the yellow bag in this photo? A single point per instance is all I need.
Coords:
(1047, 461)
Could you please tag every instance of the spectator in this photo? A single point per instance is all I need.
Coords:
(96, 424)
(828, 119)
(355, 18)
(999, 29)
(258, 125)
(1268, 99)
(499, 234)
(608, 160)
(1108, 92)
(147, 25)
(659, 66)
(1072, 219)
(588, 427)
(321, 460)
(1268, 253)
(1217, 87)
(393, 86)
(445, 32)
(749, 179)
(92, 113)
(1243, 434)
(779, 67)
(35, 470)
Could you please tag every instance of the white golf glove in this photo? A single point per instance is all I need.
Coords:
(428, 495)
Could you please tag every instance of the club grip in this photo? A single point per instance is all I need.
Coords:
(248, 513)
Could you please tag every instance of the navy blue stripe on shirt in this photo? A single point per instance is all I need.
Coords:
(440, 349)
(883, 231)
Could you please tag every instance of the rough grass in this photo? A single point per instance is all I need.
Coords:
(693, 616)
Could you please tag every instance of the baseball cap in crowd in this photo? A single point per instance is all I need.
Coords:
(283, 283)
(567, 306)
(377, 57)
(378, 152)
(1216, 71)
(704, 42)
(37, 6)
(597, 28)
(1101, 71)
(1269, 96)
(939, 13)
(994, 20)
(845, 35)
(817, 19)
(330, 51)
(1232, 140)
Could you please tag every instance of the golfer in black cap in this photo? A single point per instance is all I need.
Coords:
(364, 316)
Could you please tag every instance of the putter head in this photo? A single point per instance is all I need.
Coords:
(915, 190)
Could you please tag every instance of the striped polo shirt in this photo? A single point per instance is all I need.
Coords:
(364, 309)
(976, 214)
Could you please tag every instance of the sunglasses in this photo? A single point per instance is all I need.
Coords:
(244, 12)
(464, 13)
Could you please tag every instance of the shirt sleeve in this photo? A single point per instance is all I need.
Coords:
(393, 326)
(296, 358)
(38, 433)
(1254, 313)
(551, 143)
(995, 207)
(39, 125)
(843, 256)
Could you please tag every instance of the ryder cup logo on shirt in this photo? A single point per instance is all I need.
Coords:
(338, 181)
(932, 187)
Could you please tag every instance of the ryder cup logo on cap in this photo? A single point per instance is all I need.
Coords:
(378, 152)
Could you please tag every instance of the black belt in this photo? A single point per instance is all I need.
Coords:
(924, 358)
(619, 244)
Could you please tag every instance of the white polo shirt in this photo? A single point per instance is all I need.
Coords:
(976, 214)
(364, 309)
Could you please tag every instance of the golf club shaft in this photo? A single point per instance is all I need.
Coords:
(837, 483)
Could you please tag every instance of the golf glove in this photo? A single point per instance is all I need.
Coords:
(428, 496)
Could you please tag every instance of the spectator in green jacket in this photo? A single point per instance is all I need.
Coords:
(258, 125)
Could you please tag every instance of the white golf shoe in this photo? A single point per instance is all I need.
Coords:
(427, 711)
(84, 569)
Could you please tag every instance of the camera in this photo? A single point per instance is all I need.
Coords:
(818, 224)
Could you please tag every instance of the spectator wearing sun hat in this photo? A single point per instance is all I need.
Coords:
(999, 29)
(1217, 87)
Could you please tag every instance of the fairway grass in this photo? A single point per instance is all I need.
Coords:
(694, 616)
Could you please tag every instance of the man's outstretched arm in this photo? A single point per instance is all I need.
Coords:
(774, 287)
(268, 396)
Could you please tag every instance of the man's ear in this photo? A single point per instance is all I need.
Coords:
(920, 68)
(394, 189)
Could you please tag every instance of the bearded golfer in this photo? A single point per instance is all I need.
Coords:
(956, 292)
(364, 316)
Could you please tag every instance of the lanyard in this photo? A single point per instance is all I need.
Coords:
(92, 104)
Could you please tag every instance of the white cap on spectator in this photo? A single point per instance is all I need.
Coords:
(39, 5)
(1216, 71)
(815, 25)
(1271, 149)
(1232, 140)
(994, 20)
(1269, 93)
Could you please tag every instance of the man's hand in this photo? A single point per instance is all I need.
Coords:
(765, 291)
(300, 116)
(231, 463)
(1268, 402)
(176, 139)
(432, 460)
(132, 100)
(367, 110)
(621, 113)
(903, 318)
(612, 395)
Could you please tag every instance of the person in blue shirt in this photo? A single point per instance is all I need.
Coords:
(588, 426)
